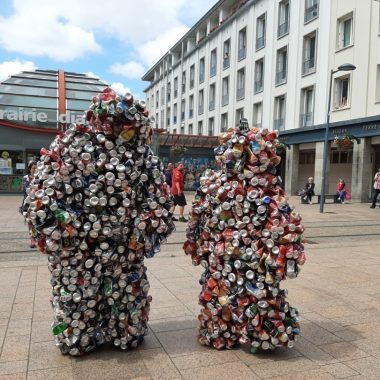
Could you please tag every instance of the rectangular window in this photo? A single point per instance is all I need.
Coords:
(377, 95)
(168, 117)
(224, 122)
(157, 98)
(202, 70)
(307, 107)
(282, 64)
(259, 76)
(283, 18)
(211, 104)
(260, 31)
(182, 129)
(162, 95)
(162, 120)
(210, 129)
(257, 114)
(191, 129)
(338, 156)
(239, 115)
(307, 157)
(175, 87)
(175, 113)
(242, 44)
(168, 91)
(309, 53)
(342, 92)
(156, 121)
(200, 127)
(311, 10)
(226, 53)
(192, 76)
(279, 113)
(213, 63)
(183, 107)
(191, 106)
(345, 31)
(225, 91)
(200, 102)
(183, 81)
(240, 85)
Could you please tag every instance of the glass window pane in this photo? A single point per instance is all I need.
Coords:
(28, 101)
(22, 90)
(31, 82)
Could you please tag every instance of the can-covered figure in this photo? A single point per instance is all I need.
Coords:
(98, 205)
(248, 239)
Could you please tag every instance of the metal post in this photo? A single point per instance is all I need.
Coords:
(326, 147)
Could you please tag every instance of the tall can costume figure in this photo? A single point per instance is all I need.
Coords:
(97, 206)
(248, 239)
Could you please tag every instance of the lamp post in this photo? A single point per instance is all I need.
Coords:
(344, 67)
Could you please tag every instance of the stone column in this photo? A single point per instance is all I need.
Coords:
(361, 182)
(318, 168)
(292, 168)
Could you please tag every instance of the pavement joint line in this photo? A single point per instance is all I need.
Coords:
(31, 327)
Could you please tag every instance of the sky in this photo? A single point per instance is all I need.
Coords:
(115, 40)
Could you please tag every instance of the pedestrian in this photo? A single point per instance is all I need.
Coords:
(309, 189)
(168, 174)
(376, 188)
(26, 180)
(341, 190)
(178, 181)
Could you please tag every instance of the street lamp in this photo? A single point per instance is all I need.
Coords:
(344, 67)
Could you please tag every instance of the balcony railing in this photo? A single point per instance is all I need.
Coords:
(240, 92)
(306, 119)
(211, 105)
(279, 124)
(260, 42)
(224, 100)
(242, 53)
(191, 113)
(283, 29)
(212, 71)
(311, 12)
(308, 66)
(258, 85)
(281, 77)
(226, 62)
(201, 77)
(200, 110)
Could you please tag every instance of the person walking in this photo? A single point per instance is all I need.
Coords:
(341, 190)
(168, 174)
(178, 180)
(376, 188)
(309, 189)
(32, 166)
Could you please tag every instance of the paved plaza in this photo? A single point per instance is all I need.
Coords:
(337, 294)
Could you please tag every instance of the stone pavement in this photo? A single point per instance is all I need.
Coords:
(337, 294)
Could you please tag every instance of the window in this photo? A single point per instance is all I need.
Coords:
(183, 81)
(309, 52)
(202, 70)
(168, 116)
(183, 107)
(342, 92)
(226, 53)
(259, 76)
(283, 18)
(210, 130)
(311, 10)
(239, 115)
(182, 129)
(240, 89)
(191, 106)
(279, 113)
(377, 95)
(168, 90)
(175, 131)
(157, 98)
(213, 63)
(307, 157)
(200, 127)
(175, 113)
(257, 114)
(156, 120)
(162, 120)
(191, 129)
(345, 31)
(175, 87)
(282, 63)
(307, 106)
(162, 95)
(338, 156)
(200, 102)
(211, 104)
(192, 75)
(242, 44)
(225, 91)
(260, 32)
(224, 122)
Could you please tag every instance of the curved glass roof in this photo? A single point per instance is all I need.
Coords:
(32, 98)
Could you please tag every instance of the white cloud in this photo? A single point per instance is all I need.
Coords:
(119, 88)
(8, 68)
(132, 69)
(91, 74)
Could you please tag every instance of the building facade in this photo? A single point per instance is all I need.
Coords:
(33, 107)
(270, 61)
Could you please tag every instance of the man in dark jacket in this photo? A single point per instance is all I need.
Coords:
(168, 174)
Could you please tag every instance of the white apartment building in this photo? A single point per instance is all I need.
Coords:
(270, 61)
